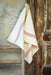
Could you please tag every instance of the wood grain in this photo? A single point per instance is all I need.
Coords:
(9, 47)
(38, 29)
(47, 71)
(10, 61)
(47, 37)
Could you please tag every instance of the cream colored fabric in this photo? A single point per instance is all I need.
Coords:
(23, 34)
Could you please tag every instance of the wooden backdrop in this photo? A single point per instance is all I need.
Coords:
(41, 9)
(37, 13)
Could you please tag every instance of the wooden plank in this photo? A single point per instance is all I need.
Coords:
(48, 42)
(10, 74)
(38, 29)
(23, 63)
(29, 69)
(46, 52)
(10, 61)
(47, 37)
(45, 15)
(48, 28)
(47, 70)
(9, 47)
(10, 69)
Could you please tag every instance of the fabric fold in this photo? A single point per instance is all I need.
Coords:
(23, 34)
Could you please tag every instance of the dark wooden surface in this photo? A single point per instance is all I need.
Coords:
(38, 21)
(39, 28)
(42, 18)
(47, 37)
(46, 71)
(49, 15)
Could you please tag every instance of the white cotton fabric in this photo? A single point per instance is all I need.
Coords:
(23, 34)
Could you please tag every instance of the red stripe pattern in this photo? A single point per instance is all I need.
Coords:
(19, 31)
(29, 34)
(28, 52)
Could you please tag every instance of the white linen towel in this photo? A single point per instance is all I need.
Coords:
(23, 34)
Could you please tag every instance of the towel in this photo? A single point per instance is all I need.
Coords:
(23, 34)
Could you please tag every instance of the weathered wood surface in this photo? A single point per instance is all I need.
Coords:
(9, 47)
(10, 61)
(42, 14)
(47, 15)
(47, 37)
(38, 21)
(23, 65)
(46, 53)
(47, 71)
(10, 69)
(39, 28)
(10, 56)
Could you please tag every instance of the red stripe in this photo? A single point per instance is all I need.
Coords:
(19, 31)
(29, 34)
(28, 52)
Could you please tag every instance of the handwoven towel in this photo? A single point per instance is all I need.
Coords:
(23, 34)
